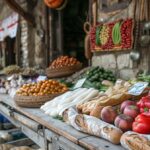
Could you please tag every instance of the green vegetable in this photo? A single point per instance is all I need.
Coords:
(116, 34)
(143, 77)
(98, 30)
(58, 118)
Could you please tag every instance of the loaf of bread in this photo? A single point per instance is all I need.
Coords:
(112, 97)
(92, 125)
(6, 146)
(134, 141)
(21, 148)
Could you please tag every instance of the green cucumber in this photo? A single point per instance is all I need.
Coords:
(98, 30)
(116, 34)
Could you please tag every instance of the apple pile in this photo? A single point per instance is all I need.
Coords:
(129, 112)
(122, 119)
(130, 115)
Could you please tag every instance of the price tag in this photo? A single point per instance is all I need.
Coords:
(79, 83)
(138, 88)
(41, 78)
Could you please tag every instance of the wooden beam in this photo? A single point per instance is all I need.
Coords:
(17, 8)
(32, 3)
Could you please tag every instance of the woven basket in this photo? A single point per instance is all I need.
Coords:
(33, 101)
(62, 72)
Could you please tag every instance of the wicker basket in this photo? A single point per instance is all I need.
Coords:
(33, 101)
(62, 72)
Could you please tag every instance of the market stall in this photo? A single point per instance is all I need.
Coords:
(89, 110)
(44, 130)
(67, 106)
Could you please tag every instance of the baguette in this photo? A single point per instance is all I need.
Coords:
(6, 146)
(93, 126)
(134, 141)
(21, 148)
(112, 97)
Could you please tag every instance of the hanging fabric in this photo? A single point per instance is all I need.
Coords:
(8, 26)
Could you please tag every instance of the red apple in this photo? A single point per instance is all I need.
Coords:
(131, 111)
(124, 122)
(108, 114)
(126, 103)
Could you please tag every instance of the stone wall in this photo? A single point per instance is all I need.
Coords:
(120, 62)
(24, 43)
(32, 45)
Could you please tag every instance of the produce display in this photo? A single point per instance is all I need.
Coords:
(108, 114)
(141, 123)
(95, 77)
(113, 96)
(112, 36)
(125, 104)
(41, 88)
(11, 84)
(12, 69)
(124, 122)
(63, 66)
(144, 104)
(61, 103)
(93, 126)
(101, 107)
(29, 72)
(64, 61)
(144, 77)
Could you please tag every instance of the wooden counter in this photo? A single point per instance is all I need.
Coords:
(50, 133)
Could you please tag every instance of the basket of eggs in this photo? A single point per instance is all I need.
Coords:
(63, 66)
(36, 94)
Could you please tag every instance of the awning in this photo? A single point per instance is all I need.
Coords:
(8, 26)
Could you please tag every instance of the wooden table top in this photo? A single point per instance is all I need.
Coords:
(61, 128)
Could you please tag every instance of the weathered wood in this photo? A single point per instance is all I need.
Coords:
(47, 34)
(13, 130)
(55, 128)
(116, 6)
(59, 142)
(51, 34)
(21, 142)
(16, 7)
(4, 110)
(94, 143)
(38, 139)
(50, 135)
(26, 121)
(60, 32)
(64, 144)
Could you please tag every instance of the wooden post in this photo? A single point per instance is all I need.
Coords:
(60, 32)
(47, 32)
(52, 29)
(17, 8)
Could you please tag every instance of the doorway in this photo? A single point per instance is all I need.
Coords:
(75, 14)
(9, 51)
